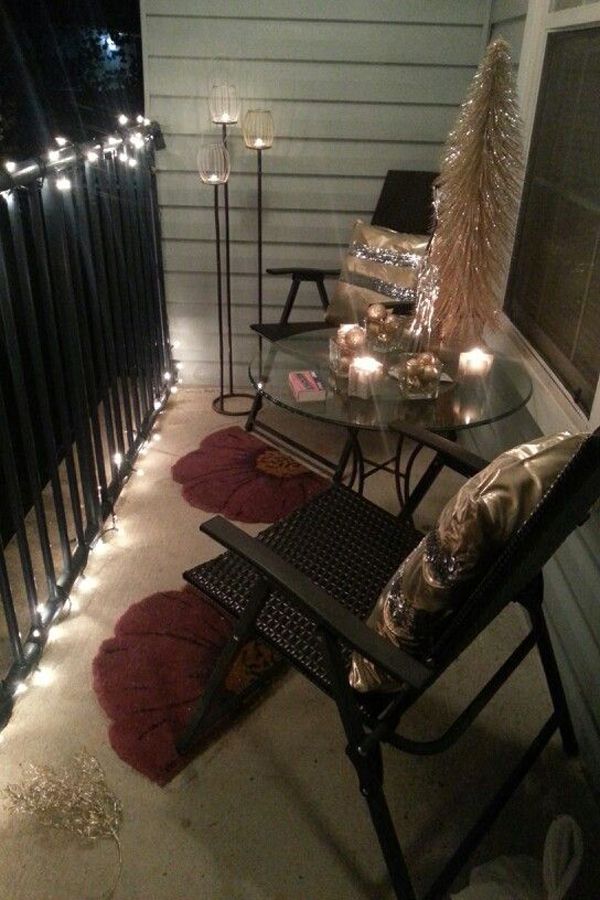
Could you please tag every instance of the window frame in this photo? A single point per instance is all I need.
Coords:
(539, 24)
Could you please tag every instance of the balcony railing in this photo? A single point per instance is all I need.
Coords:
(85, 368)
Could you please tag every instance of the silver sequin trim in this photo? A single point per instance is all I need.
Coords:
(388, 289)
(386, 255)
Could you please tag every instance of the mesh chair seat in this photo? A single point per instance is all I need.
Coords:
(345, 544)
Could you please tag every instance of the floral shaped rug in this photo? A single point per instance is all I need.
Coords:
(234, 473)
(149, 676)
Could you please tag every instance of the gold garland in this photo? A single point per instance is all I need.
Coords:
(76, 799)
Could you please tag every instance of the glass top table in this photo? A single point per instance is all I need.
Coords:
(462, 402)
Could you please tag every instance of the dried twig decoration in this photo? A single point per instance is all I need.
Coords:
(479, 186)
(75, 799)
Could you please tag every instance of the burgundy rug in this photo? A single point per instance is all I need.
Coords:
(149, 676)
(234, 473)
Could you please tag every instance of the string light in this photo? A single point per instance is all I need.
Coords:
(167, 376)
(123, 156)
(118, 459)
(156, 437)
(176, 345)
(132, 162)
(53, 155)
(139, 119)
(123, 120)
(157, 405)
(137, 140)
(10, 166)
(63, 183)
(61, 141)
(179, 366)
(92, 156)
(174, 389)
(147, 122)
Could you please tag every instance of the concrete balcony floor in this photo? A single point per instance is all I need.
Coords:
(271, 809)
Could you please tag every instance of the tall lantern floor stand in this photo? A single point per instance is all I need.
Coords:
(231, 394)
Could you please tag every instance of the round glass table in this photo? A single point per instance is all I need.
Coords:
(464, 400)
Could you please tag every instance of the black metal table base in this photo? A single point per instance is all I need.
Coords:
(353, 467)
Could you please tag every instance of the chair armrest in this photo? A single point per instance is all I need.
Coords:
(304, 274)
(318, 604)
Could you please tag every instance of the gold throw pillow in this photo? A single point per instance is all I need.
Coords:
(381, 265)
(437, 576)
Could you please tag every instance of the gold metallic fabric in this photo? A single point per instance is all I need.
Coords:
(438, 575)
(380, 265)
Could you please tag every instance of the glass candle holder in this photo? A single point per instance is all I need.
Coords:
(363, 374)
(223, 103)
(213, 163)
(348, 342)
(419, 375)
(390, 334)
(257, 129)
(474, 363)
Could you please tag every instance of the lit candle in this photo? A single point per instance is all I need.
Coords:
(363, 374)
(475, 362)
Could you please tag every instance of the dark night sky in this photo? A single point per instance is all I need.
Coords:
(66, 67)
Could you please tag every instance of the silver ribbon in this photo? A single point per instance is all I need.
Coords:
(387, 255)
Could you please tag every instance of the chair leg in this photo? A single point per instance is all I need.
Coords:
(369, 769)
(323, 294)
(289, 303)
(254, 411)
(553, 679)
(241, 632)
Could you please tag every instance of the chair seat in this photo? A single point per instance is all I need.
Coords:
(345, 544)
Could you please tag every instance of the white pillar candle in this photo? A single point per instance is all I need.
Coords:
(363, 374)
(475, 362)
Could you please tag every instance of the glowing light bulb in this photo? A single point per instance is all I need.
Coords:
(123, 156)
(92, 156)
(10, 166)
(137, 140)
(118, 459)
(123, 120)
(174, 389)
(179, 366)
(167, 376)
(20, 688)
(139, 120)
(146, 122)
(140, 472)
(132, 162)
(157, 405)
(53, 155)
(63, 184)
(157, 437)
(61, 141)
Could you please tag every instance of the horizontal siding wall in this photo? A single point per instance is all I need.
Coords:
(508, 21)
(355, 89)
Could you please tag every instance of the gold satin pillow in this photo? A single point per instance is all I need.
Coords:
(428, 587)
(381, 265)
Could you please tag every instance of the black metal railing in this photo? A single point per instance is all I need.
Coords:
(85, 367)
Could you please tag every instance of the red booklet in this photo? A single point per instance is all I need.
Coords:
(306, 386)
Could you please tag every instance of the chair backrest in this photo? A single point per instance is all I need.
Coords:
(406, 202)
(561, 510)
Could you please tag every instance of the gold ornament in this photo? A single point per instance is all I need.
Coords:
(478, 194)
(75, 799)
(376, 312)
(354, 339)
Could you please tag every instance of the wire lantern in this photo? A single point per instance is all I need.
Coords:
(223, 103)
(213, 163)
(258, 129)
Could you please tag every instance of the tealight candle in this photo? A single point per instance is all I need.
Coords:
(474, 362)
(364, 372)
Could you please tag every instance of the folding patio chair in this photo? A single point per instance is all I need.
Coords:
(404, 205)
(307, 583)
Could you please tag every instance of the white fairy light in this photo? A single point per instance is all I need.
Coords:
(176, 344)
(174, 389)
(132, 162)
(92, 156)
(157, 405)
(139, 119)
(114, 141)
(118, 459)
(63, 183)
(123, 156)
(61, 141)
(179, 366)
(123, 120)
(139, 472)
(157, 437)
(10, 166)
(137, 140)
(20, 688)
(43, 677)
(146, 122)
(53, 155)
(167, 376)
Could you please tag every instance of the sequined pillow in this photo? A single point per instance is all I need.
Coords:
(381, 265)
(428, 588)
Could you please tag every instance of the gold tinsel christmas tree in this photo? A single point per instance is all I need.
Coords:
(478, 194)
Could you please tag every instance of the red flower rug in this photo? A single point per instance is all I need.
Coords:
(149, 676)
(234, 473)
